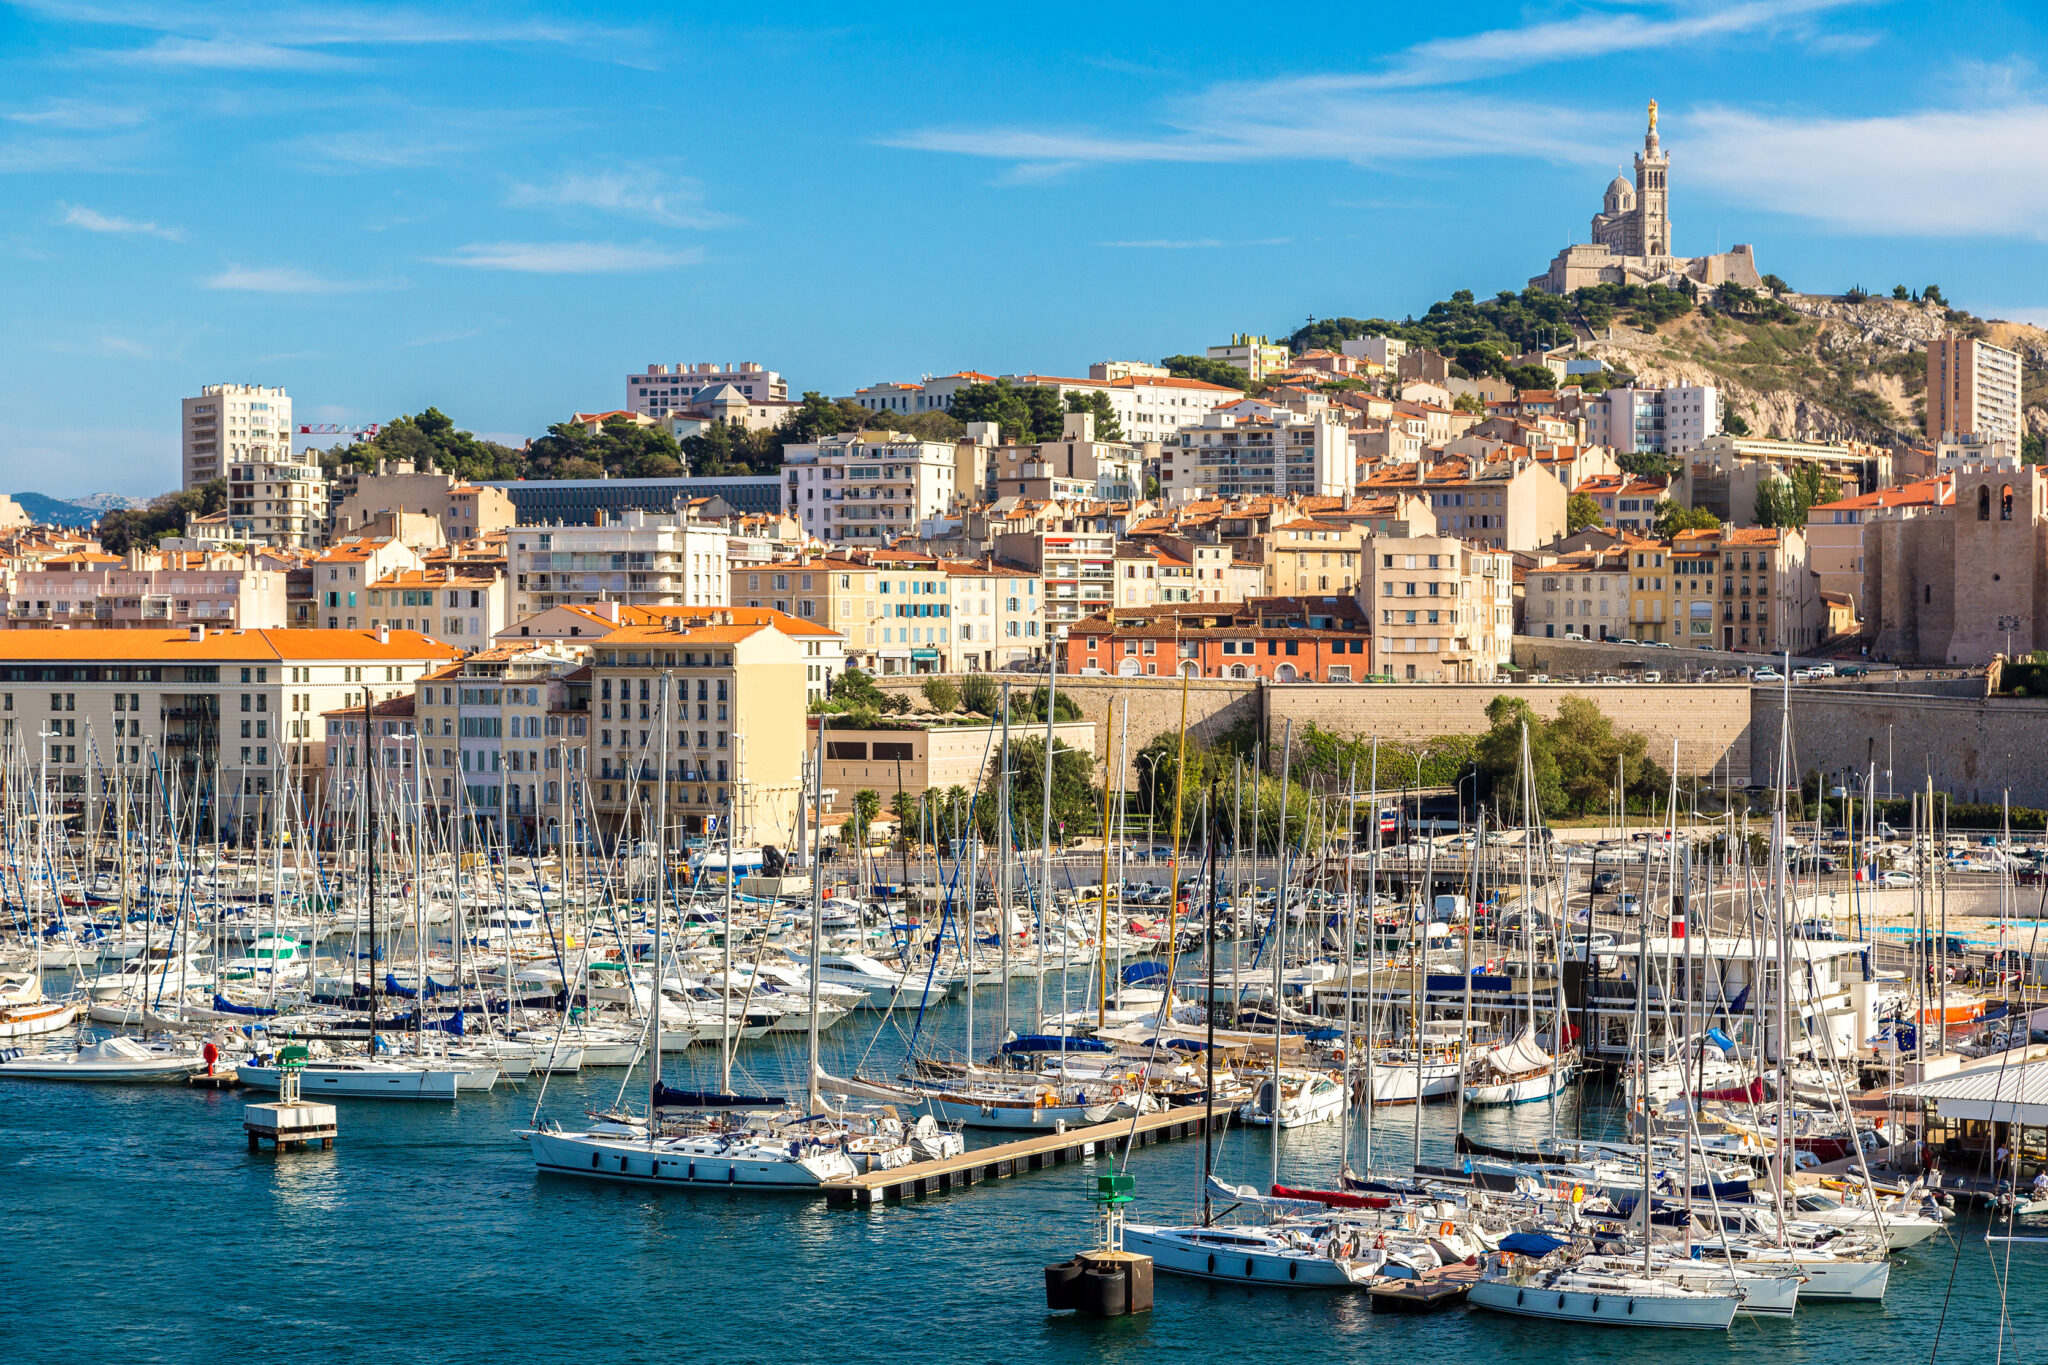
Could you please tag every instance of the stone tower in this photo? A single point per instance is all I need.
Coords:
(1652, 208)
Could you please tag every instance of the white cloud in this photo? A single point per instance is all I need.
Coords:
(282, 279)
(673, 201)
(567, 258)
(91, 220)
(1936, 173)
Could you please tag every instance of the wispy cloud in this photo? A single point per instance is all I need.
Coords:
(568, 258)
(1192, 243)
(233, 53)
(284, 279)
(443, 338)
(650, 194)
(1936, 173)
(91, 220)
(1402, 109)
(79, 116)
(246, 35)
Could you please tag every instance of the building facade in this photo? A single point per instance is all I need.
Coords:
(637, 558)
(868, 488)
(234, 423)
(1973, 389)
(663, 387)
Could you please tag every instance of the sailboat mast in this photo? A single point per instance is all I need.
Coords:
(370, 858)
(660, 906)
(818, 937)
(1208, 1052)
(1279, 928)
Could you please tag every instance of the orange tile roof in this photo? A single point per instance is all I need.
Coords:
(222, 646)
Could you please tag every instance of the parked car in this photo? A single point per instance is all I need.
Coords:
(1817, 930)
(1767, 674)
(1896, 879)
(1574, 635)
(1630, 905)
(1606, 883)
(1626, 641)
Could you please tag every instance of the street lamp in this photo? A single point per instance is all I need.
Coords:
(2008, 624)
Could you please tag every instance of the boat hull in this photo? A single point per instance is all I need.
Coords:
(634, 1162)
(1707, 1313)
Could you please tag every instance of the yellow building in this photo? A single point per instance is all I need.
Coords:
(1649, 592)
(727, 687)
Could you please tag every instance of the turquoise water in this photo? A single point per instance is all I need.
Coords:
(140, 1228)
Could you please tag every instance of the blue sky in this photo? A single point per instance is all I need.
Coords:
(502, 210)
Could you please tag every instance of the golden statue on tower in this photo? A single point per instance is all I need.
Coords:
(1653, 116)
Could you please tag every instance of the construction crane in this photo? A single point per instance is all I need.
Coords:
(331, 429)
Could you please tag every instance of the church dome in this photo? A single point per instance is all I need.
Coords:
(1621, 196)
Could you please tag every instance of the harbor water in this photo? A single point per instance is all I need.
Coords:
(141, 1229)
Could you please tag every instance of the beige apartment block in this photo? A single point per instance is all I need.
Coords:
(1973, 389)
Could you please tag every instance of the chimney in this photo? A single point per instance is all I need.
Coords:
(198, 633)
(383, 633)
(609, 611)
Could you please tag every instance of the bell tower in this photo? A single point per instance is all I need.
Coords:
(1652, 170)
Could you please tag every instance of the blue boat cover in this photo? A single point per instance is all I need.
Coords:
(1143, 971)
(227, 1006)
(1044, 1042)
(1530, 1243)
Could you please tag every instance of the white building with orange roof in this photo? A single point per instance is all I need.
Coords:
(1148, 406)
(464, 608)
(236, 707)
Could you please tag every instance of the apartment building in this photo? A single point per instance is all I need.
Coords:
(660, 388)
(464, 510)
(1278, 639)
(234, 423)
(1228, 456)
(462, 608)
(1075, 467)
(1441, 609)
(277, 502)
(1723, 473)
(384, 742)
(1770, 599)
(868, 487)
(230, 713)
(727, 695)
(1511, 504)
(1075, 571)
(1658, 421)
(504, 740)
(1582, 593)
(148, 590)
(343, 572)
(917, 755)
(1973, 388)
(1316, 556)
(1163, 569)
(1627, 503)
(1150, 405)
(1651, 616)
(1255, 355)
(638, 558)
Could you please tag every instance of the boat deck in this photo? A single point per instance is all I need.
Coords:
(1440, 1288)
(1040, 1150)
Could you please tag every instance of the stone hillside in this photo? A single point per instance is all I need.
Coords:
(1832, 369)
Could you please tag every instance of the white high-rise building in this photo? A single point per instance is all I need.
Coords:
(234, 423)
(637, 558)
(1667, 421)
(867, 488)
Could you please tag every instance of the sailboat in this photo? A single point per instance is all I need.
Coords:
(730, 1141)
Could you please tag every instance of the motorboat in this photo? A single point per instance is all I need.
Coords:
(112, 1059)
(26, 1012)
(1305, 1097)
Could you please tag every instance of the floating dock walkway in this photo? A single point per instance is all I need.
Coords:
(1032, 1153)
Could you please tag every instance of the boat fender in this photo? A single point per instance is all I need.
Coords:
(1560, 1301)
(1631, 1305)
(1247, 1267)
(1294, 1270)
(1520, 1294)
(1212, 1263)
(1596, 1303)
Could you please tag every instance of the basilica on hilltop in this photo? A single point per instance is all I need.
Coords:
(1632, 237)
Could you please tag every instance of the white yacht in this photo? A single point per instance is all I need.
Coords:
(112, 1059)
(1574, 1293)
(1305, 1097)
(626, 1152)
(358, 1078)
